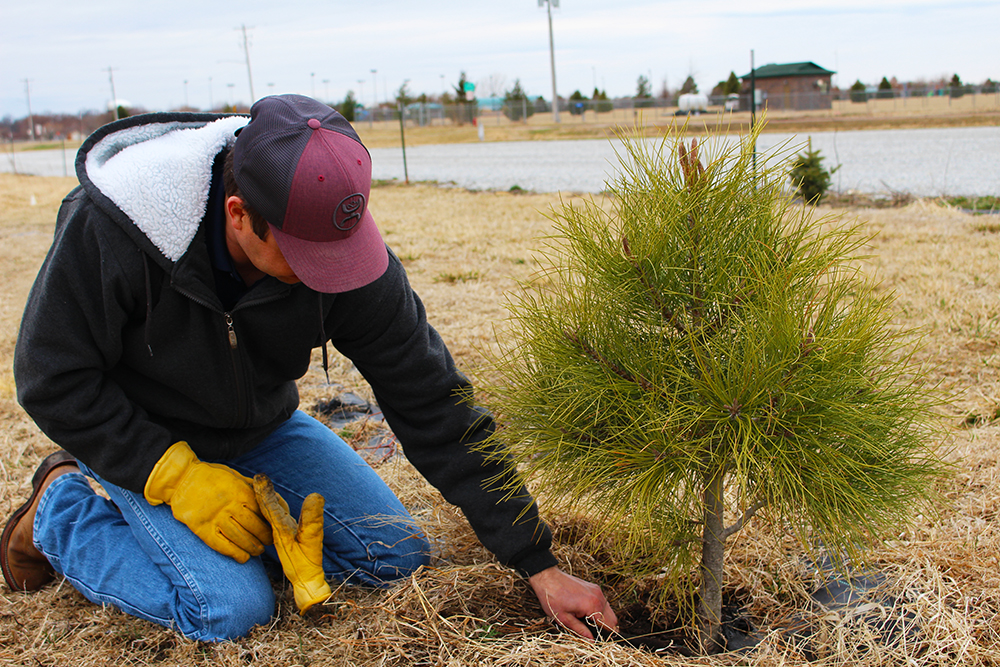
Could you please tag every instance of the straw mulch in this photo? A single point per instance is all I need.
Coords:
(941, 576)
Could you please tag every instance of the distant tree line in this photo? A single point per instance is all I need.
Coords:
(890, 88)
(461, 107)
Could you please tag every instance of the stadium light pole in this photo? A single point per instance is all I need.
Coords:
(552, 57)
(246, 53)
(31, 117)
(114, 100)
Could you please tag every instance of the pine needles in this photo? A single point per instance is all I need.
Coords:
(701, 352)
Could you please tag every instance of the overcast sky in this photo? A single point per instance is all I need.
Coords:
(64, 48)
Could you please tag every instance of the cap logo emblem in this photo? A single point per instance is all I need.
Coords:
(348, 213)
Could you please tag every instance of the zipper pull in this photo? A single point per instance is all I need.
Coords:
(232, 331)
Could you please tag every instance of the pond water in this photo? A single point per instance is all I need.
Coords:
(921, 162)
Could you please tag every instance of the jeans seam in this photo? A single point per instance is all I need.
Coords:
(175, 561)
(74, 581)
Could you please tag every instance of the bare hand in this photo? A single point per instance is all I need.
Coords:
(568, 599)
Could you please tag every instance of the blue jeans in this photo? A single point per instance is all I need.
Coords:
(137, 557)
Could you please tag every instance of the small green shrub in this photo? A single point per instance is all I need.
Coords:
(809, 177)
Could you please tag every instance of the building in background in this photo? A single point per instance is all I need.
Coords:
(798, 86)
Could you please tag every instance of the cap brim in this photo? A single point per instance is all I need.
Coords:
(337, 266)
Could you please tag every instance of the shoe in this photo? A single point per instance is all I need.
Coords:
(24, 567)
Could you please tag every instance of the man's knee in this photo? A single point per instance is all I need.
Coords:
(231, 610)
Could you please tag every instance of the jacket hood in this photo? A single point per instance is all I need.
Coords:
(152, 173)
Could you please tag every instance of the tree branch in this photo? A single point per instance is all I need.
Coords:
(665, 311)
(610, 365)
(749, 514)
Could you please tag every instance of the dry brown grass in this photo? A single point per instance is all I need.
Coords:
(463, 251)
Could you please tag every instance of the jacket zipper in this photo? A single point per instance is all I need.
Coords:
(242, 391)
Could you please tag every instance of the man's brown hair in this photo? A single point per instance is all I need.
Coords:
(257, 222)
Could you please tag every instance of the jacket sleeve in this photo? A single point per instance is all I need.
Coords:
(71, 337)
(383, 329)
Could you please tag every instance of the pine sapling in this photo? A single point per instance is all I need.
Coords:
(810, 178)
(700, 352)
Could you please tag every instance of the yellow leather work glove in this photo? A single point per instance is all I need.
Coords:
(299, 545)
(217, 503)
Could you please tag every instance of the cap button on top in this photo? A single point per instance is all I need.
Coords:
(314, 123)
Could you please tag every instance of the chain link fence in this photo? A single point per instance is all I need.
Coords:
(937, 100)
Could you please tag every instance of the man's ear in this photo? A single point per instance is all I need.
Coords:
(236, 213)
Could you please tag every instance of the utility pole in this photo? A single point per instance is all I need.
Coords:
(246, 52)
(114, 98)
(371, 116)
(552, 58)
(31, 118)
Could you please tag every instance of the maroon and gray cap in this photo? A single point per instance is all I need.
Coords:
(302, 166)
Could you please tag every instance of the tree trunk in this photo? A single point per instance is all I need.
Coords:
(713, 549)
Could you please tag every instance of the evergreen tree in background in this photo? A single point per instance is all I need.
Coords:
(884, 89)
(858, 92)
(348, 106)
(689, 86)
(601, 101)
(955, 87)
(643, 93)
(515, 103)
(810, 178)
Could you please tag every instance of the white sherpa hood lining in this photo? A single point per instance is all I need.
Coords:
(159, 175)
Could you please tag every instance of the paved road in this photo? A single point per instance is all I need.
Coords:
(922, 162)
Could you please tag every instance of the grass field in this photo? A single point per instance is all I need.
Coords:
(463, 252)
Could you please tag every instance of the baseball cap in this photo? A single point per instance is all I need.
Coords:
(302, 166)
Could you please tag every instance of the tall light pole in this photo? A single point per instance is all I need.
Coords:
(114, 99)
(246, 52)
(31, 118)
(552, 57)
(361, 99)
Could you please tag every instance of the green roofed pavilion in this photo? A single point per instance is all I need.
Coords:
(792, 86)
(789, 69)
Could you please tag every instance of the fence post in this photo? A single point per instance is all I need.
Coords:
(402, 140)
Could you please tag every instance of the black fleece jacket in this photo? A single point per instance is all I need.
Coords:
(125, 348)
